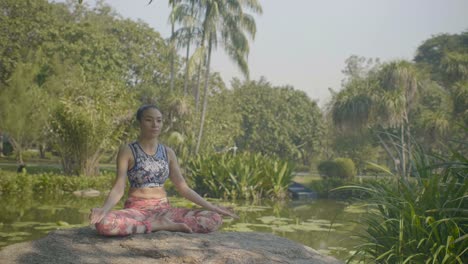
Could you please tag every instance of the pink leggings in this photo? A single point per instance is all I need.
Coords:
(137, 215)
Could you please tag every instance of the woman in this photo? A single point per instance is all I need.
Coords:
(148, 164)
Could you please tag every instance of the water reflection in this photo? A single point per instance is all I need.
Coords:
(321, 224)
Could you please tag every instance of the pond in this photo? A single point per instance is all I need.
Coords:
(325, 225)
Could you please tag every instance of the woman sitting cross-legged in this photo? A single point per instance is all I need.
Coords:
(148, 164)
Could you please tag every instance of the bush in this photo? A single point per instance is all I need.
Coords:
(14, 183)
(346, 168)
(338, 168)
(422, 220)
(245, 175)
(327, 168)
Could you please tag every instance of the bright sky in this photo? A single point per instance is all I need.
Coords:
(304, 43)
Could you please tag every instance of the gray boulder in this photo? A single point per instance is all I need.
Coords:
(83, 245)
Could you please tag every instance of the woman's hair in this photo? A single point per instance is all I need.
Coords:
(143, 108)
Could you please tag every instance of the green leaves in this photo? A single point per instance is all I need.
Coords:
(242, 176)
(418, 221)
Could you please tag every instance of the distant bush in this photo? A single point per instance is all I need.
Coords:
(15, 183)
(327, 168)
(346, 168)
(338, 168)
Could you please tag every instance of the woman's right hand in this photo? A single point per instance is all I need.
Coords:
(96, 215)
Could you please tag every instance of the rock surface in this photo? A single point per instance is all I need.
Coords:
(83, 245)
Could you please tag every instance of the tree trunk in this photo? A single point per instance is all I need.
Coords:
(187, 55)
(1, 144)
(92, 165)
(205, 96)
(42, 150)
(197, 88)
(387, 149)
(172, 55)
(17, 149)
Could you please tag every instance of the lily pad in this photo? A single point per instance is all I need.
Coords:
(18, 238)
(252, 208)
(283, 228)
(62, 223)
(239, 227)
(46, 227)
(356, 209)
(319, 221)
(308, 226)
(271, 219)
(14, 234)
(24, 224)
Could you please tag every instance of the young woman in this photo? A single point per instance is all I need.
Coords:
(148, 164)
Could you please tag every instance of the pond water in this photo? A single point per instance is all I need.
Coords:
(325, 225)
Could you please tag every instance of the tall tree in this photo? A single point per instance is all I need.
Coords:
(225, 22)
(383, 99)
(23, 112)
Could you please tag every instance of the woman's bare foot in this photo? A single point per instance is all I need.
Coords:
(162, 223)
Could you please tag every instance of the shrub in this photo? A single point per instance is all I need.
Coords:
(245, 175)
(14, 183)
(422, 220)
(345, 168)
(327, 168)
(339, 168)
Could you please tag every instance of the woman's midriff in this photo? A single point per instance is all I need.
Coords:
(148, 193)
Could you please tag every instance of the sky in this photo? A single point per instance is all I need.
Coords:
(304, 43)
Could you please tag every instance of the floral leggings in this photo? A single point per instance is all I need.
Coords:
(137, 215)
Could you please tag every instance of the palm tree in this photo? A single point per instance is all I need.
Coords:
(226, 23)
(382, 100)
(187, 15)
(399, 83)
(172, 19)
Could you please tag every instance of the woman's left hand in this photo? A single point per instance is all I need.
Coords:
(225, 211)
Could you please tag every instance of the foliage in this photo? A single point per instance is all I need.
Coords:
(338, 168)
(77, 78)
(22, 109)
(277, 121)
(47, 183)
(244, 176)
(422, 220)
(88, 121)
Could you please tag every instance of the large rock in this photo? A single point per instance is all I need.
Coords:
(83, 245)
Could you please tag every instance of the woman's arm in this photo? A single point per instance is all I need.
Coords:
(118, 188)
(184, 190)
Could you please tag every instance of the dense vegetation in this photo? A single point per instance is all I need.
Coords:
(71, 77)
(421, 220)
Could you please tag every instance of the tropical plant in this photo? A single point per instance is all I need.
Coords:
(226, 22)
(417, 221)
(239, 176)
(383, 100)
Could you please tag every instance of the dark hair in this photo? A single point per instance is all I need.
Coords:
(143, 108)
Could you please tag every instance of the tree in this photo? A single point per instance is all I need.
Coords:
(445, 58)
(228, 21)
(383, 99)
(90, 118)
(23, 112)
(277, 121)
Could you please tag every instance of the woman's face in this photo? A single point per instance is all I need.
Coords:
(151, 122)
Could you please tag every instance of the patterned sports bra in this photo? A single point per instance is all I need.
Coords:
(149, 170)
